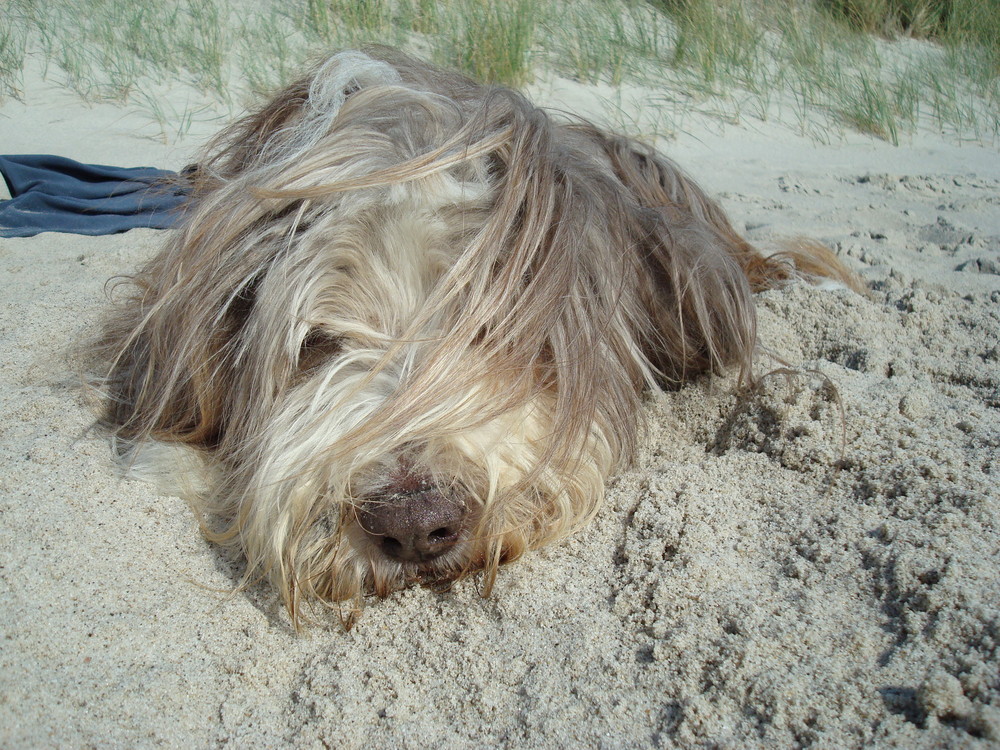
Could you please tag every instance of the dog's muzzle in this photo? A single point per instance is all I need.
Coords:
(415, 525)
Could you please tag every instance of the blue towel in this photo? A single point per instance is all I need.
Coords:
(55, 194)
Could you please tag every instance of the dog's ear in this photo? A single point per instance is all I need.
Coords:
(168, 364)
(175, 354)
(697, 274)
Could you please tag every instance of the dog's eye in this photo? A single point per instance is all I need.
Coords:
(317, 347)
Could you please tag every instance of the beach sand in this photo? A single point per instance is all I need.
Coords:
(817, 563)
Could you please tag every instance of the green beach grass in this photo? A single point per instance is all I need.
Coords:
(882, 67)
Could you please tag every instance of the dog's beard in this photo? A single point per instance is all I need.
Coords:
(302, 491)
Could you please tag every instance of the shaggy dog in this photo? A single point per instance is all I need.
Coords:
(404, 330)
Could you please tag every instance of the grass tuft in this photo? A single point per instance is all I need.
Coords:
(866, 106)
(919, 18)
(348, 22)
(490, 41)
(717, 41)
(13, 40)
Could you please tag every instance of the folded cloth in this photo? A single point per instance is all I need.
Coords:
(55, 194)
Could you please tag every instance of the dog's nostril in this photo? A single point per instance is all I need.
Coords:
(391, 545)
(413, 527)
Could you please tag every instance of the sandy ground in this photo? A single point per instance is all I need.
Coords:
(775, 573)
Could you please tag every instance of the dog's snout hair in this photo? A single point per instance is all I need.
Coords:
(390, 260)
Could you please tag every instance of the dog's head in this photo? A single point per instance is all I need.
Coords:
(408, 320)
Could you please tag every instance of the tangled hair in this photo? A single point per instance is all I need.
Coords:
(391, 276)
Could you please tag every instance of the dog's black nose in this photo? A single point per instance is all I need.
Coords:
(414, 526)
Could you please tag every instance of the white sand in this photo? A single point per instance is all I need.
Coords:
(738, 590)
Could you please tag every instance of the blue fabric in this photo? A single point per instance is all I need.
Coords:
(55, 194)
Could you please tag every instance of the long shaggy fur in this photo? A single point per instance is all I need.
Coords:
(391, 273)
